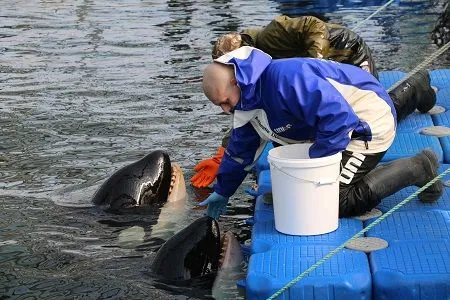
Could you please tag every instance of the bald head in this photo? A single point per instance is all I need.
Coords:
(219, 85)
(216, 78)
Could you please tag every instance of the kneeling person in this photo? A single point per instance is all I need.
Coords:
(340, 107)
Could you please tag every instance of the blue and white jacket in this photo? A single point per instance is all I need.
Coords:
(337, 106)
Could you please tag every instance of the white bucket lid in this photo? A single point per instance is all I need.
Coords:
(298, 154)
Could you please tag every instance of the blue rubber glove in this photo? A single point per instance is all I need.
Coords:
(217, 204)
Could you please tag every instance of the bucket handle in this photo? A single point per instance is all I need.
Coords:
(320, 182)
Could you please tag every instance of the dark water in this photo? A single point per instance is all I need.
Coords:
(91, 85)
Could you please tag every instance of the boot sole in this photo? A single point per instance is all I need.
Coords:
(434, 192)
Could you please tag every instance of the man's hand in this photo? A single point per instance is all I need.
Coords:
(217, 205)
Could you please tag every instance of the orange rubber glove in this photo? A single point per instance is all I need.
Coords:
(206, 170)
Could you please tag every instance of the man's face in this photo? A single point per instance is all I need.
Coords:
(228, 98)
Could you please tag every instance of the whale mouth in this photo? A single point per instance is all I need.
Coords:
(177, 188)
(198, 250)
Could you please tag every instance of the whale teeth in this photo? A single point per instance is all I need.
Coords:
(173, 179)
(223, 250)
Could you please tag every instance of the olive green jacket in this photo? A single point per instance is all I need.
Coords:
(308, 36)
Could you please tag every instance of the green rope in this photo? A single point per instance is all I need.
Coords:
(373, 224)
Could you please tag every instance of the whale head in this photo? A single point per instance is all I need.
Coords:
(197, 250)
(147, 183)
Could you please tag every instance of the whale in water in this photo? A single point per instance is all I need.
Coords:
(145, 184)
(199, 250)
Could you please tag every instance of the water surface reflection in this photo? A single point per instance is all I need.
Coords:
(92, 85)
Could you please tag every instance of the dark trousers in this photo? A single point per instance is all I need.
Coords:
(353, 191)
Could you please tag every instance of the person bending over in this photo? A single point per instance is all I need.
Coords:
(308, 36)
(339, 107)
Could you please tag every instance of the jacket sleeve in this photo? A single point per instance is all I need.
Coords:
(308, 31)
(240, 152)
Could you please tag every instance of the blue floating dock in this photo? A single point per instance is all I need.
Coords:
(445, 142)
(407, 144)
(345, 276)
(440, 78)
(414, 226)
(415, 122)
(264, 183)
(407, 270)
(443, 119)
(415, 265)
(388, 79)
(266, 237)
(442, 97)
(263, 211)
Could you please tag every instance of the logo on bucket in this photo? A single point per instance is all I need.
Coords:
(351, 167)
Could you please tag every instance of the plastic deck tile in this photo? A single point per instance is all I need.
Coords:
(265, 237)
(413, 226)
(440, 78)
(409, 144)
(411, 271)
(345, 276)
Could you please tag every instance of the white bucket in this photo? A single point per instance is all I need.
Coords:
(305, 190)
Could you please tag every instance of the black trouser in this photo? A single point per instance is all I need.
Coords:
(353, 190)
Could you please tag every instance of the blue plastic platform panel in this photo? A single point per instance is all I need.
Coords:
(409, 144)
(344, 276)
(414, 123)
(264, 183)
(389, 78)
(442, 203)
(440, 78)
(442, 119)
(263, 211)
(443, 98)
(411, 271)
(445, 142)
(262, 163)
(413, 226)
(265, 237)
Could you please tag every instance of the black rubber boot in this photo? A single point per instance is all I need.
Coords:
(418, 170)
(414, 92)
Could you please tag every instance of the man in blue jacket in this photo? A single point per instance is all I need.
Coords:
(339, 107)
(308, 36)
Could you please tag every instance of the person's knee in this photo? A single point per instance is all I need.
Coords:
(355, 199)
